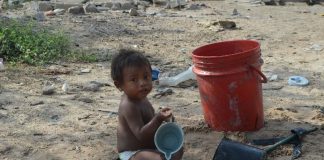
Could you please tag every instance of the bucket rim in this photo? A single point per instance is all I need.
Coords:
(227, 41)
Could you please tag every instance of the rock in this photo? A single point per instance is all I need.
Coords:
(227, 24)
(273, 78)
(116, 6)
(193, 7)
(108, 5)
(76, 10)
(127, 6)
(36, 103)
(86, 70)
(40, 16)
(48, 90)
(45, 6)
(102, 9)
(85, 1)
(133, 12)
(90, 8)
(65, 87)
(59, 11)
(49, 13)
(235, 12)
(91, 87)
(269, 2)
(85, 99)
(100, 84)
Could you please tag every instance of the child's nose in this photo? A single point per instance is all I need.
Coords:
(143, 82)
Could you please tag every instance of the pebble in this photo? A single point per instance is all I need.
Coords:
(76, 10)
(85, 70)
(36, 103)
(49, 13)
(273, 77)
(133, 12)
(90, 8)
(85, 99)
(48, 90)
(59, 11)
(94, 87)
(116, 6)
(227, 24)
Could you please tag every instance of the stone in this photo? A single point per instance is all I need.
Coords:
(76, 10)
(127, 6)
(36, 103)
(59, 11)
(108, 5)
(90, 8)
(227, 24)
(269, 2)
(49, 13)
(45, 6)
(193, 7)
(86, 70)
(133, 12)
(91, 87)
(116, 6)
(85, 99)
(48, 90)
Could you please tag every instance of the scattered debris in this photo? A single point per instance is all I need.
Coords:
(298, 81)
(315, 47)
(65, 87)
(163, 92)
(87, 116)
(36, 103)
(86, 70)
(273, 77)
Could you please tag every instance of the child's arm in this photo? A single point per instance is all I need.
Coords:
(143, 132)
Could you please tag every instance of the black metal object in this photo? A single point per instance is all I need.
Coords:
(231, 150)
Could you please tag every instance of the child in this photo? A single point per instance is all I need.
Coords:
(131, 73)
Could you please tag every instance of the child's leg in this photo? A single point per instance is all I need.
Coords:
(147, 155)
(178, 155)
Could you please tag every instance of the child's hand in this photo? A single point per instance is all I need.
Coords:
(165, 113)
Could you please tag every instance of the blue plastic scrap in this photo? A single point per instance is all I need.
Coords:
(298, 81)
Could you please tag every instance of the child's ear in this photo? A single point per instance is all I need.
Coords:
(118, 85)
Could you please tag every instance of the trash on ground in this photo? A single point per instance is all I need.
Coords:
(174, 81)
(163, 92)
(298, 81)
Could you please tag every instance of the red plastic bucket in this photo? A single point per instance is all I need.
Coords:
(229, 81)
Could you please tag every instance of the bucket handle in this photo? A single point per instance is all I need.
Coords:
(264, 78)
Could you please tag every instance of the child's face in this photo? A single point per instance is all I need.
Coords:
(137, 82)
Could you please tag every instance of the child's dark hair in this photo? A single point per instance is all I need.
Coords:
(127, 58)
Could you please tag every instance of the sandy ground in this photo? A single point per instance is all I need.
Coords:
(82, 124)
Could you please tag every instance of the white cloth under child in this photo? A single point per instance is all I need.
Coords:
(126, 155)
